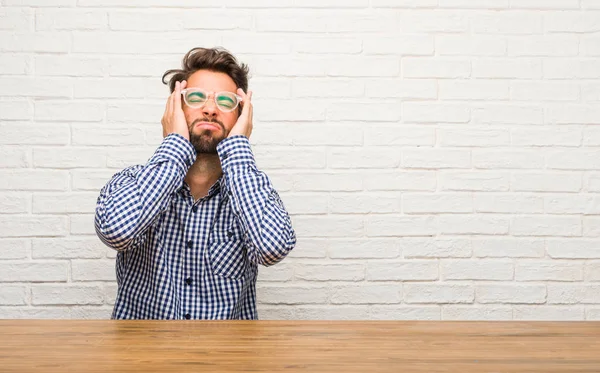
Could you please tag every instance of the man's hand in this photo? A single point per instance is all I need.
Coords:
(173, 120)
(243, 126)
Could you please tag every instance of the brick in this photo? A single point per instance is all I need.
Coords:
(548, 313)
(401, 88)
(404, 3)
(473, 137)
(139, 20)
(589, 46)
(549, 271)
(546, 182)
(545, 4)
(438, 293)
(330, 226)
(507, 23)
(217, 19)
(511, 203)
(15, 203)
(474, 4)
(408, 45)
(90, 179)
(571, 204)
(591, 136)
(394, 135)
(40, 3)
(15, 64)
(275, 294)
(119, 88)
(590, 226)
(331, 312)
(319, 87)
(96, 136)
(18, 133)
(70, 19)
(334, 134)
(583, 22)
(38, 87)
(566, 136)
(564, 68)
(258, 44)
(418, 112)
(423, 21)
(573, 159)
(428, 67)
(436, 247)
(19, 271)
(66, 294)
(29, 313)
(424, 203)
(573, 249)
(121, 158)
(480, 313)
(340, 203)
(15, 157)
(592, 271)
(14, 248)
(488, 181)
(364, 112)
(13, 295)
(67, 65)
(67, 248)
(473, 90)
(93, 270)
(70, 157)
(140, 66)
(491, 270)
(359, 248)
(24, 42)
(319, 182)
(91, 313)
(544, 91)
(296, 203)
(16, 19)
(394, 312)
(567, 226)
(408, 270)
(15, 110)
(507, 159)
(291, 158)
(464, 45)
(110, 293)
(401, 181)
(589, 4)
(69, 111)
(507, 68)
(473, 224)
(396, 226)
(44, 203)
(286, 67)
(593, 182)
(329, 272)
(507, 114)
(511, 294)
(366, 294)
(285, 110)
(280, 273)
(436, 158)
(371, 157)
(573, 293)
(508, 247)
(31, 226)
(82, 224)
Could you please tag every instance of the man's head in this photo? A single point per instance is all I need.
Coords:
(208, 72)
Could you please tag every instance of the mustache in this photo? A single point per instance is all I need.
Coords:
(208, 120)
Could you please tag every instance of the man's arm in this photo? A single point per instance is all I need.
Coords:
(266, 224)
(135, 197)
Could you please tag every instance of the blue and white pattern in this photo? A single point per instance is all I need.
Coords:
(185, 259)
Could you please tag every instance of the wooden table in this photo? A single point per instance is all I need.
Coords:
(298, 346)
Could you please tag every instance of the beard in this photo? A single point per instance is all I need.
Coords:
(206, 141)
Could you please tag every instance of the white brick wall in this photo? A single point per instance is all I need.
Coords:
(440, 158)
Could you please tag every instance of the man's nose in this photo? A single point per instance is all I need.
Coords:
(209, 108)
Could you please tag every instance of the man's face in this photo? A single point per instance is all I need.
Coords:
(208, 125)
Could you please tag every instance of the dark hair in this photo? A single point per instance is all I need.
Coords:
(213, 59)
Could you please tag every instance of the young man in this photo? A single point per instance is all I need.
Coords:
(193, 223)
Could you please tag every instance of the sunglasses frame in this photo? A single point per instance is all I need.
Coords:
(214, 97)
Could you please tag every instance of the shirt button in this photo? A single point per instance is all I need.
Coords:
(188, 316)
(195, 208)
(230, 234)
(190, 244)
(188, 281)
(225, 155)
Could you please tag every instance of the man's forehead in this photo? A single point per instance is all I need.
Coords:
(211, 80)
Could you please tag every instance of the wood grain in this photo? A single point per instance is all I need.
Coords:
(298, 346)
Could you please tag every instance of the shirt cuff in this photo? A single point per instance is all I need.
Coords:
(235, 154)
(177, 149)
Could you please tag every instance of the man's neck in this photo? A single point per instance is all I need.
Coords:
(205, 171)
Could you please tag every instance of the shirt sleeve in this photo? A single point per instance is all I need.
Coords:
(130, 202)
(267, 226)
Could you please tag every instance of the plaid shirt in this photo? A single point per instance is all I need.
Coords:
(185, 259)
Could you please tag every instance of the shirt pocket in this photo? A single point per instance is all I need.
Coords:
(227, 252)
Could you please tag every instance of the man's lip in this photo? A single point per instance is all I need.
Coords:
(208, 124)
